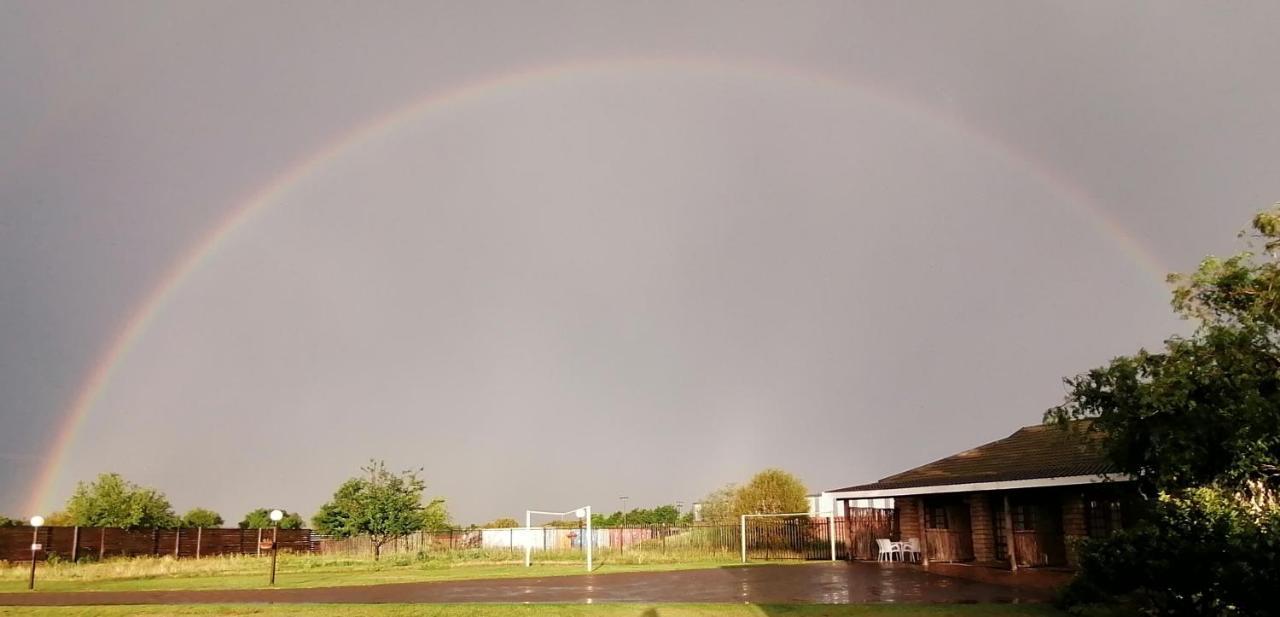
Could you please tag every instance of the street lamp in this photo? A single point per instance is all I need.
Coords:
(276, 516)
(36, 522)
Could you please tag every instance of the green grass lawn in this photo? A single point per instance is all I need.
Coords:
(549, 610)
(293, 572)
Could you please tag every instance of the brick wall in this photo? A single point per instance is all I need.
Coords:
(984, 543)
(909, 517)
(1073, 523)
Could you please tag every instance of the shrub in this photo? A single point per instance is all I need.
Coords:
(1204, 553)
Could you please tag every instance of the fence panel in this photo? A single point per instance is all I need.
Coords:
(102, 542)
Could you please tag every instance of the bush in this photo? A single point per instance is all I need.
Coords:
(1204, 553)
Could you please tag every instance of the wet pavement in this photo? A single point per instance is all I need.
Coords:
(820, 583)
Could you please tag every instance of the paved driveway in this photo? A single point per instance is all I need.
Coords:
(825, 583)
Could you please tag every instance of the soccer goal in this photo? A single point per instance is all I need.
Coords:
(831, 528)
(587, 538)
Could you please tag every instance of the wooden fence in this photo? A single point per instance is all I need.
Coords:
(76, 543)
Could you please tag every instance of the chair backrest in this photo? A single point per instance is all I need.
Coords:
(912, 544)
(883, 544)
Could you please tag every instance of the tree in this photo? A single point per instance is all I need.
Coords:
(502, 523)
(772, 491)
(112, 501)
(1205, 410)
(10, 522)
(1197, 423)
(718, 506)
(382, 505)
(201, 517)
(261, 519)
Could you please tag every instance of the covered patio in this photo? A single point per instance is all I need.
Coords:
(1018, 502)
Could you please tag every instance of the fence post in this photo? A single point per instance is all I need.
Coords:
(102, 543)
(259, 545)
(75, 544)
(177, 539)
(199, 533)
(155, 541)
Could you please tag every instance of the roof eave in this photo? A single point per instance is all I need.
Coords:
(971, 487)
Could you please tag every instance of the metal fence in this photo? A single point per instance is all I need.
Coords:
(789, 538)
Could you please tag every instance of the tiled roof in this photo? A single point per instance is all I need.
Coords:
(1032, 452)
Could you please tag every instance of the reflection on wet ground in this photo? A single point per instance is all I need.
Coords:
(822, 583)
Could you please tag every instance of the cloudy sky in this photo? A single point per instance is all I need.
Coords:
(559, 252)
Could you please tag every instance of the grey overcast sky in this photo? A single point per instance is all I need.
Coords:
(641, 249)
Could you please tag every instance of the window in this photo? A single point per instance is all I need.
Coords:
(936, 517)
(1024, 517)
(1103, 516)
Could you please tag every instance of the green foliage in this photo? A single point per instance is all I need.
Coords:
(638, 517)
(502, 523)
(1205, 553)
(11, 522)
(772, 491)
(718, 506)
(1198, 424)
(112, 501)
(201, 517)
(261, 519)
(382, 505)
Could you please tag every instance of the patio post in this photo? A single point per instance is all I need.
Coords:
(1010, 545)
(924, 533)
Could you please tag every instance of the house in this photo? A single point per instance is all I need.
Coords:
(1042, 486)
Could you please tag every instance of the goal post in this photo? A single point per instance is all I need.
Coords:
(588, 537)
(831, 528)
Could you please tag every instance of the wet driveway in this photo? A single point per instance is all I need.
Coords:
(822, 583)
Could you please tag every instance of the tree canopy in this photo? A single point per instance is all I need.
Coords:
(201, 517)
(505, 522)
(771, 491)
(381, 504)
(112, 501)
(1205, 409)
(1197, 423)
(261, 519)
(661, 515)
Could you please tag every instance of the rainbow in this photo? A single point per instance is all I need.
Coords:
(263, 197)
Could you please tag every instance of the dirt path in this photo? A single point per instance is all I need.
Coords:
(826, 583)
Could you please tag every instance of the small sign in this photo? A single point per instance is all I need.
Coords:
(265, 545)
(37, 547)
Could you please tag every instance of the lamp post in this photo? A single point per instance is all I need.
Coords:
(36, 522)
(276, 515)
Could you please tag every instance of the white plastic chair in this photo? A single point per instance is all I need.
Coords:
(910, 547)
(886, 549)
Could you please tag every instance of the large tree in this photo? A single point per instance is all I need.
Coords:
(112, 501)
(381, 504)
(772, 491)
(1197, 423)
(1205, 409)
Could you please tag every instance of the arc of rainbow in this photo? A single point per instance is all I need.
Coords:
(133, 328)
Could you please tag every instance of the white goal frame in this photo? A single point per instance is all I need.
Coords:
(584, 513)
(831, 528)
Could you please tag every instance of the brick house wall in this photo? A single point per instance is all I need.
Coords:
(909, 517)
(984, 542)
(1074, 527)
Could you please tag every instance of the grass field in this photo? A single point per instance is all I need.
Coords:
(550, 610)
(166, 573)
